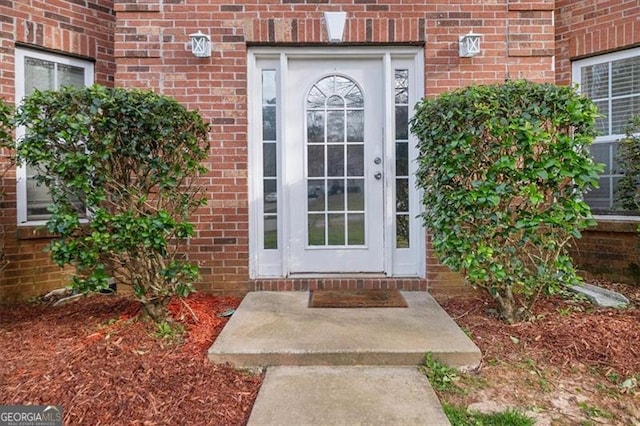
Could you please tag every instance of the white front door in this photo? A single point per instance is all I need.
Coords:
(334, 158)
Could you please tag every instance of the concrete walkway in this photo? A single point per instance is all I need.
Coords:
(342, 366)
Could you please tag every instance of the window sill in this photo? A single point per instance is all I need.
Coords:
(38, 232)
(623, 224)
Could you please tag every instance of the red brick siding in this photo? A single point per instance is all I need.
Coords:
(609, 250)
(78, 27)
(588, 27)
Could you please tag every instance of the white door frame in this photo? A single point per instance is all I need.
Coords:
(273, 262)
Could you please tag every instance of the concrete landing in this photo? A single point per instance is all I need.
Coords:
(346, 396)
(277, 328)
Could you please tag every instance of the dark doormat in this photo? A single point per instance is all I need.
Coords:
(356, 299)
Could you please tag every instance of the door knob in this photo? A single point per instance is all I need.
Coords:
(377, 160)
(378, 175)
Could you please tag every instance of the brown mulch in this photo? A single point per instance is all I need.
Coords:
(564, 333)
(105, 366)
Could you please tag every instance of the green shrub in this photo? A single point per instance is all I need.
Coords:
(6, 138)
(504, 169)
(628, 188)
(132, 158)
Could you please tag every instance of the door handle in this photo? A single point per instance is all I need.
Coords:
(377, 175)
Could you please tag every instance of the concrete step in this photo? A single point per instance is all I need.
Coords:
(277, 328)
(346, 396)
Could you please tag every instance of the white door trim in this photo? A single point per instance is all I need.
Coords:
(273, 262)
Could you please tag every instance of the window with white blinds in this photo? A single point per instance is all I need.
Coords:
(612, 81)
(43, 71)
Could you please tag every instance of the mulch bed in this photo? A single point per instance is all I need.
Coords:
(104, 365)
(562, 333)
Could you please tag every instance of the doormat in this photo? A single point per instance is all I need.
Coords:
(356, 299)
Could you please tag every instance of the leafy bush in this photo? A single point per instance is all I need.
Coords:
(504, 169)
(6, 138)
(628, 188)
(131, 159)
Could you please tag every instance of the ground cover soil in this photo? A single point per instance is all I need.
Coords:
(572, 364)
(106, 366)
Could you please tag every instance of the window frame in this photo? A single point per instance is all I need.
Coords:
(576, 76)
(21, 54)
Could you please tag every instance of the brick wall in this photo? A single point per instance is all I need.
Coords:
(587, 28)
(609, 250)
(78, 27)
(151, 51)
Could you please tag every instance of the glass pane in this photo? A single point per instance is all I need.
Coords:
(316, 229)
(600, 198)
(355, 194)
(402, 86)
(38, 198)
(343, 85)
(336, 229)
(622, 111)
(316, 98)
(356, 229)
(315, 126)
(38, 74)
(355, 160)
(625, 76)
(335, 199)
(402, 159)
(269, 123)
(315, 196)
(402, 195)
(355, 126)
(595, 81)
(270, 188)
(614, 158)
(602, 123)
(325, 87)
(335, 160)
(335, 126)
(70, 76)
(402, 231)
(268, 87)
(402, 122)
(269, 159)
(600, 153)
(270, 232)
(354, 97)
(315, 160)
(335, 102)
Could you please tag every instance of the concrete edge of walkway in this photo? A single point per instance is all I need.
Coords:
(338, 395)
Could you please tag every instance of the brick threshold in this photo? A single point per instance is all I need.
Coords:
(338, 283)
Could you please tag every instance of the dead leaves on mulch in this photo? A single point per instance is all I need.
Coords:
(104, 366)
(563, 333)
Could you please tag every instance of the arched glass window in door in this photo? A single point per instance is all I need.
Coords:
(335, 163)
